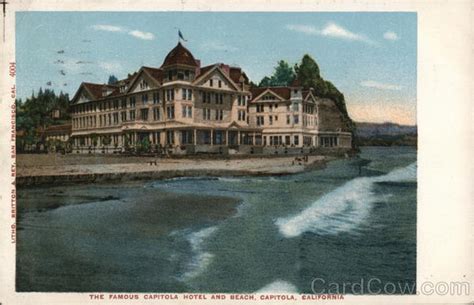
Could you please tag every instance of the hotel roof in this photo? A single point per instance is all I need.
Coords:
(179, 56)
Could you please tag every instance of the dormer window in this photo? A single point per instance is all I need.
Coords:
(211, 83)
(123, 88)
(180, 75)
(170, 75)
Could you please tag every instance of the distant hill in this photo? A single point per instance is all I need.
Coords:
(385, 134)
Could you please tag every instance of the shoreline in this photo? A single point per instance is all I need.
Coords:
(147, 169)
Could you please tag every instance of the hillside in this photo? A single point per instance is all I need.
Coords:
(385, 134)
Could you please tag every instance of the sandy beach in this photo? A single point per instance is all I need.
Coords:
(55, 168)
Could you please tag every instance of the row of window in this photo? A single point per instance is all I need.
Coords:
(168, 94)
(218, 114)
(110, 119)
(279, 140)
(307, 108)
(271, 119)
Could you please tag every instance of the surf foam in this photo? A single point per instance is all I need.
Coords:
(201, 259)
(344, 208)
(278, 286)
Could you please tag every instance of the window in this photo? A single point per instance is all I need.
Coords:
(296, 119)
(241, 115)
(144, 114)
(296, 140)
(169, 95)
(143, 84)
(170, 112)
(123, 115)
(170, 75)
(190, 111)
(219, 114)
(206, 97)
(132, 115)
(276, 117)
(156, 114)
(288, 120)
(144, 98)
(180, 75)
(295, 107)
(186, 94)
(206, 114)
(220, 84)
(116, 118)
(110, 119)
(260, 121)
(210, 83)
(124, 103)
(270, 108)
(239, 100)
(260, 108)
(170, 137)
(132, 102)
(116, 104)
(156, 98)
(221, 98)
(270, 120)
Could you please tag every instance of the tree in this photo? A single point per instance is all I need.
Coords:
(35, 114)
(308, 73)
(283, 75)
(112, 80)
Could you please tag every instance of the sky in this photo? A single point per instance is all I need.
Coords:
(370, 57)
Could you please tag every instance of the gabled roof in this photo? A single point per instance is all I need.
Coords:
(95, 90)
(155, 74)
(282, 92)
(179, 55)
(236, 73)
(209, 69)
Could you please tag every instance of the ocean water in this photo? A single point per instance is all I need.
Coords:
(352, 222)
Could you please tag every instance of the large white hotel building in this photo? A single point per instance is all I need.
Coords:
(188, 108)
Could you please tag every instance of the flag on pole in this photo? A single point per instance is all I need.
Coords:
(181, 35)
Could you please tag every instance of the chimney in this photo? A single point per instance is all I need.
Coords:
(198, 67)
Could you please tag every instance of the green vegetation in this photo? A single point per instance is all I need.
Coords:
(308, 75)
(283, 76)
(38, 112)
(112, 80)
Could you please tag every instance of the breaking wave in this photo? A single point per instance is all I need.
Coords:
(344, 208)
(278, 286)
(201, 259)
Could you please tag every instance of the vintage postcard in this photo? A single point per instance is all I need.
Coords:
(271, 152)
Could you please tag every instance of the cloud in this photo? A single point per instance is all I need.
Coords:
(118, 29)
(111, 66)
(331, 29)
(217, 46)
(381, 86)
(142, 35)
(390, 35)
(107, 28)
